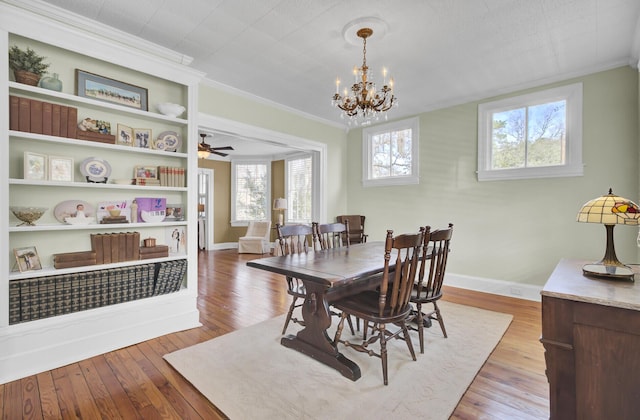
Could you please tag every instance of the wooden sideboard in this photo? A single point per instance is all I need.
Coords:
(591, 337)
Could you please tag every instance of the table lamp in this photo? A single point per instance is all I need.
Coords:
(281, 205)
(609, 210)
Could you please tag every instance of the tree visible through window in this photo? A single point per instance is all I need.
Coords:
(535, 135)
(251, 192)
(528, 137)
(391, 153)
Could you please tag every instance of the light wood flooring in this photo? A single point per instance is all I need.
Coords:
(136, 383)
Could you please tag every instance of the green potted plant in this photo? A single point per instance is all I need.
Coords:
(27, 66)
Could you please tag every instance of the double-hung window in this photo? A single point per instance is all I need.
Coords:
(390, 153)
(299, 185)
(536, 135)
(251, 190)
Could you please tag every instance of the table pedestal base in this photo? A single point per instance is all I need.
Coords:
(346, 367)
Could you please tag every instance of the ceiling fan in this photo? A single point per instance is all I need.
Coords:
(204, 148)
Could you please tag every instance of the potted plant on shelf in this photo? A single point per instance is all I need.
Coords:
(27, 66)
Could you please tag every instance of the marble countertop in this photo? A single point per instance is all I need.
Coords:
(568, 282)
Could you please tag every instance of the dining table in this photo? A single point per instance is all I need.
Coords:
(327, 275)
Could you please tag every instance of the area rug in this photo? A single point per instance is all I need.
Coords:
(248, 375)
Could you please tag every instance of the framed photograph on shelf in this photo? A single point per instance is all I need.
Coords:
(142, 137)
(61, 168)
(102, 88)
(145, 172)
(175, 212)
(124, 137)
(35, 166)
(27, 259)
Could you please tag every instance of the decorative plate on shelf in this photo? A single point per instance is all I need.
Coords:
(172, 140)
(74, 212)
(159, 145)
(95, 169)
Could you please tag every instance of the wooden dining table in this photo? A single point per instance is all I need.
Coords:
(327, 276)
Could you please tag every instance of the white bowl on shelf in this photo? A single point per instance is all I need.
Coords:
(170, 109)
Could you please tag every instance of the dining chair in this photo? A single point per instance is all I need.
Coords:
(330, 236)
(428, 287)
(389, 305)
(294, 239)
(356, 227)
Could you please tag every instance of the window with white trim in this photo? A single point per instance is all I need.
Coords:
(390, 153)
(537, 135)
(299, 184)
(250, 191)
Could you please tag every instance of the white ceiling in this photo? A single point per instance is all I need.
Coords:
(440, 52)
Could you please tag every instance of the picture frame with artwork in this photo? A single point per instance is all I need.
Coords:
(175, 212)
(124, 136)
(145, 172)
(35, 166)
(142, 138)
(27, 259)
(61, 168)
(176, 239)
(100, 88)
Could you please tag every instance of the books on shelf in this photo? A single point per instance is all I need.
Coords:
(171, 176)
(39, 117)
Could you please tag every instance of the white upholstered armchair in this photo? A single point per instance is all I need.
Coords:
(256, 240)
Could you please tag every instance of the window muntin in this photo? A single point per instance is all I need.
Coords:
(531, 136)
(299, 172)
(250, 191)
(391, 153)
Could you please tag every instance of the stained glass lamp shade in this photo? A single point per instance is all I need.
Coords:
(609, 210)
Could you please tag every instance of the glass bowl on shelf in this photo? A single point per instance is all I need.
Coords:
(28, 215)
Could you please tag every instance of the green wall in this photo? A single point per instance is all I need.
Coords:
(504, 230)
(512, 230)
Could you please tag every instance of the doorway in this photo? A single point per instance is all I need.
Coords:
(205, 209)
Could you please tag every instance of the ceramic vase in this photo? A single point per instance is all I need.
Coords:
(51, 83)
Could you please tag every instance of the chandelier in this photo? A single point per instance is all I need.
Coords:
(365, 103)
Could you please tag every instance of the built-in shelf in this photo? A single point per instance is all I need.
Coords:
(92, 185)
(92, 226)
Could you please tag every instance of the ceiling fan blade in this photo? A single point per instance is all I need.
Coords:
(219, 153)
(222, 148)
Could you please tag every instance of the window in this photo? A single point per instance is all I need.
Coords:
(390, 153)
(536, 135)
(250, 189)
(299, 180)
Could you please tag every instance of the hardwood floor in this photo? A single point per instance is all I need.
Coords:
(135, 382)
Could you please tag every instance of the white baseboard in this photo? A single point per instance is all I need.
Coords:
(496, 287)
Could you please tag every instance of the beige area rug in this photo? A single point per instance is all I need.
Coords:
(248, 375)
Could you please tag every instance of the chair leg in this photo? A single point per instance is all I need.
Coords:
(336, 337)
(407, 339)
(350, 325)
(440, 320)
(383, 352)
(420, 326)
(289, 314)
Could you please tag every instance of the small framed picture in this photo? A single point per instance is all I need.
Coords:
(35, 166)
(142, 137)
(124, 136)
(145, 172)
(176, 238)
(27, 259)
(174, 212)
(61, 168)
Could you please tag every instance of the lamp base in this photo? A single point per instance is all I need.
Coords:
(608, 271)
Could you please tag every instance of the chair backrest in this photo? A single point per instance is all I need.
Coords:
(294, 239)
(332, 235)
(259, 229)
(356, 227)
(402, 251)
(435, 257)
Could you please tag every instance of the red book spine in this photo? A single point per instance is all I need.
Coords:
(47, 115)
(55, 120)
(64, 120)
(72, 123)
(14, 113)
(24, 120)
(36, 116)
